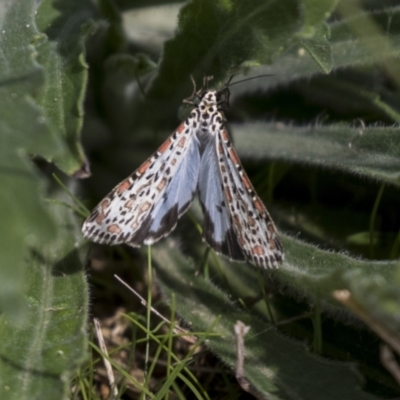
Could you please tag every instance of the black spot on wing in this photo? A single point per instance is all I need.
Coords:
(93, 215)
(143, 234)
(168, 223)
(138, 238)
(228, 247)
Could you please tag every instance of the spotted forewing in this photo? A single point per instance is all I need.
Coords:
(198, 156)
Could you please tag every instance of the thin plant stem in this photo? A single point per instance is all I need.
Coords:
(373, 219)
(81, 206)
(170, 340)
(148, 317)
(266, 300)
(204, 263)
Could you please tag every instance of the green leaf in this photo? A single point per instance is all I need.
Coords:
(40, 352)
(363, 238)
(43, 297)
(26, 129)
(315, 13)
(277, 367)
(61, 53)
(346, 48)
(22, 131)
(49, 98)
(355, 94)
(27, 223)
(370, 152)
(319, 48)
(317, 273)
(221, 36)
(315, 34)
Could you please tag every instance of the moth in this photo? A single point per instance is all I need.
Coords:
(197, 157)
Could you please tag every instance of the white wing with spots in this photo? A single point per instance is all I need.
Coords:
(178, 195)
(254, 229)
(217, 225)
(146, 206)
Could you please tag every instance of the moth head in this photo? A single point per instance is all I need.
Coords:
(209, 98)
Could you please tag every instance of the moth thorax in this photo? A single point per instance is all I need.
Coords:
(204, 137)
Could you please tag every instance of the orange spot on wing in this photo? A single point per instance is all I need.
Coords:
(114, 228)
(246, 182)
(142, 169)
(228, 195)
(241, 241)
(180, 128)
(134, 225)
(129, 203)
(162, 184)
(182, 141)
(257, 251)
(225, 135)
(123, 186)
(272, 244)
(234, 156)
(271, 228)
(100, 218)
(258, 205)
(104, 204)
(236, 221)
(165, 145)
(102, 215)
(144, 207)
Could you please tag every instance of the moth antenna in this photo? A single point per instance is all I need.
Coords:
(194, 85)
(228, 84)
(189, 100)
(229, 80)
(207, 79)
